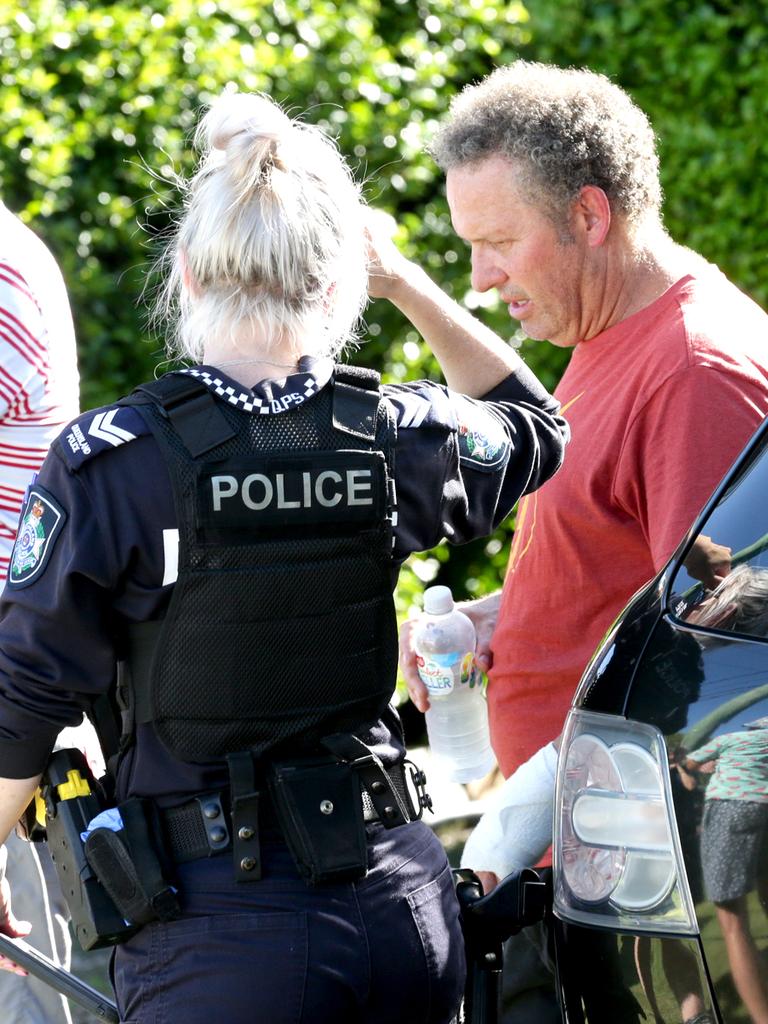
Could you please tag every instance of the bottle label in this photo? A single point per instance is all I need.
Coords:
(442, 673)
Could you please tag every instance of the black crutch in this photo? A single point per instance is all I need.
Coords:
(518, 900)
(67, 984)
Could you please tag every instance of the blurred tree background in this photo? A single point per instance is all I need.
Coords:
(98, 102)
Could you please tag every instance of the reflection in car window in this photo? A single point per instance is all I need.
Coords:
(722, 584)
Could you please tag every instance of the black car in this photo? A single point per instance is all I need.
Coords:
(660, 855)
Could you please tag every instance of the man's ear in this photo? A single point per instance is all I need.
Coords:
(591, 211)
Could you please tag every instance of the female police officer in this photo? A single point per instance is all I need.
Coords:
(229, 537)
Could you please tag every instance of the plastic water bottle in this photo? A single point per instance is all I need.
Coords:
(457, 719)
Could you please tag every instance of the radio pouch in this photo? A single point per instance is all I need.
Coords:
(320, 810)
(127, 865)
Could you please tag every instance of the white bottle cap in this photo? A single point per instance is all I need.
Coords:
(438, 600)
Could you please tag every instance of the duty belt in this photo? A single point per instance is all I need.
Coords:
(202, 827)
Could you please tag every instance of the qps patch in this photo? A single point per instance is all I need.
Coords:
(41, 522)
(483, 441)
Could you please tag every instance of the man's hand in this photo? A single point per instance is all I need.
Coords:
(8, 923)
(488, 880)
(483, 614)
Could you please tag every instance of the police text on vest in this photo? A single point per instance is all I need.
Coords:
(326, 488)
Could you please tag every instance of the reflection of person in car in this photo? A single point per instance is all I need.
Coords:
(708, 561)
(738, 604)
(732, 841)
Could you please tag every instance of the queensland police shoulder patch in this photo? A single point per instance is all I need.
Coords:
(483, 441)
(99, 431)
(41, 522)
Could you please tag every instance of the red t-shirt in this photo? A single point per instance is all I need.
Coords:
(659, 406)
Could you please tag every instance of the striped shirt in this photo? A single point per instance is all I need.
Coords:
(39, 385)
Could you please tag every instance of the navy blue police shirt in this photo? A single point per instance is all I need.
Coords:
(98, 543)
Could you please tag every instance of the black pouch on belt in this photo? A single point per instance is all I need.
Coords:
(128, 866)
(320, 810)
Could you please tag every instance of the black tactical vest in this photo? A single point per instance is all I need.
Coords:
(281, 627)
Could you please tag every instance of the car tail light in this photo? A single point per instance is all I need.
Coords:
(617, 857)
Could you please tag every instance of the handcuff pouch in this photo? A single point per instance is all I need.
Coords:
(320, 811)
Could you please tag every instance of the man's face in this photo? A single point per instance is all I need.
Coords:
(517, 249)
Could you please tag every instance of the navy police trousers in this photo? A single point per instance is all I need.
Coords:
(275, 951)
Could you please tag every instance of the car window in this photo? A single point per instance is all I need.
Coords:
(722, 583)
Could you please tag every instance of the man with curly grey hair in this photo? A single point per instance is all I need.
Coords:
(552, 179)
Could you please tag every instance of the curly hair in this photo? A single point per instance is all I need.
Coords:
(566, 128)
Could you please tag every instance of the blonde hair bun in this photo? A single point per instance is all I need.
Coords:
(271, 235)
(248, 114)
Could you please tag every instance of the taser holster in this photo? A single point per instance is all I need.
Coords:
(113, 882)
(71, 798)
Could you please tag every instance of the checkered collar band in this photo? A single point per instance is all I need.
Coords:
(268, 397)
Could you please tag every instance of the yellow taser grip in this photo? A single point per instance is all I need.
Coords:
(39, 809)
(74, 787)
